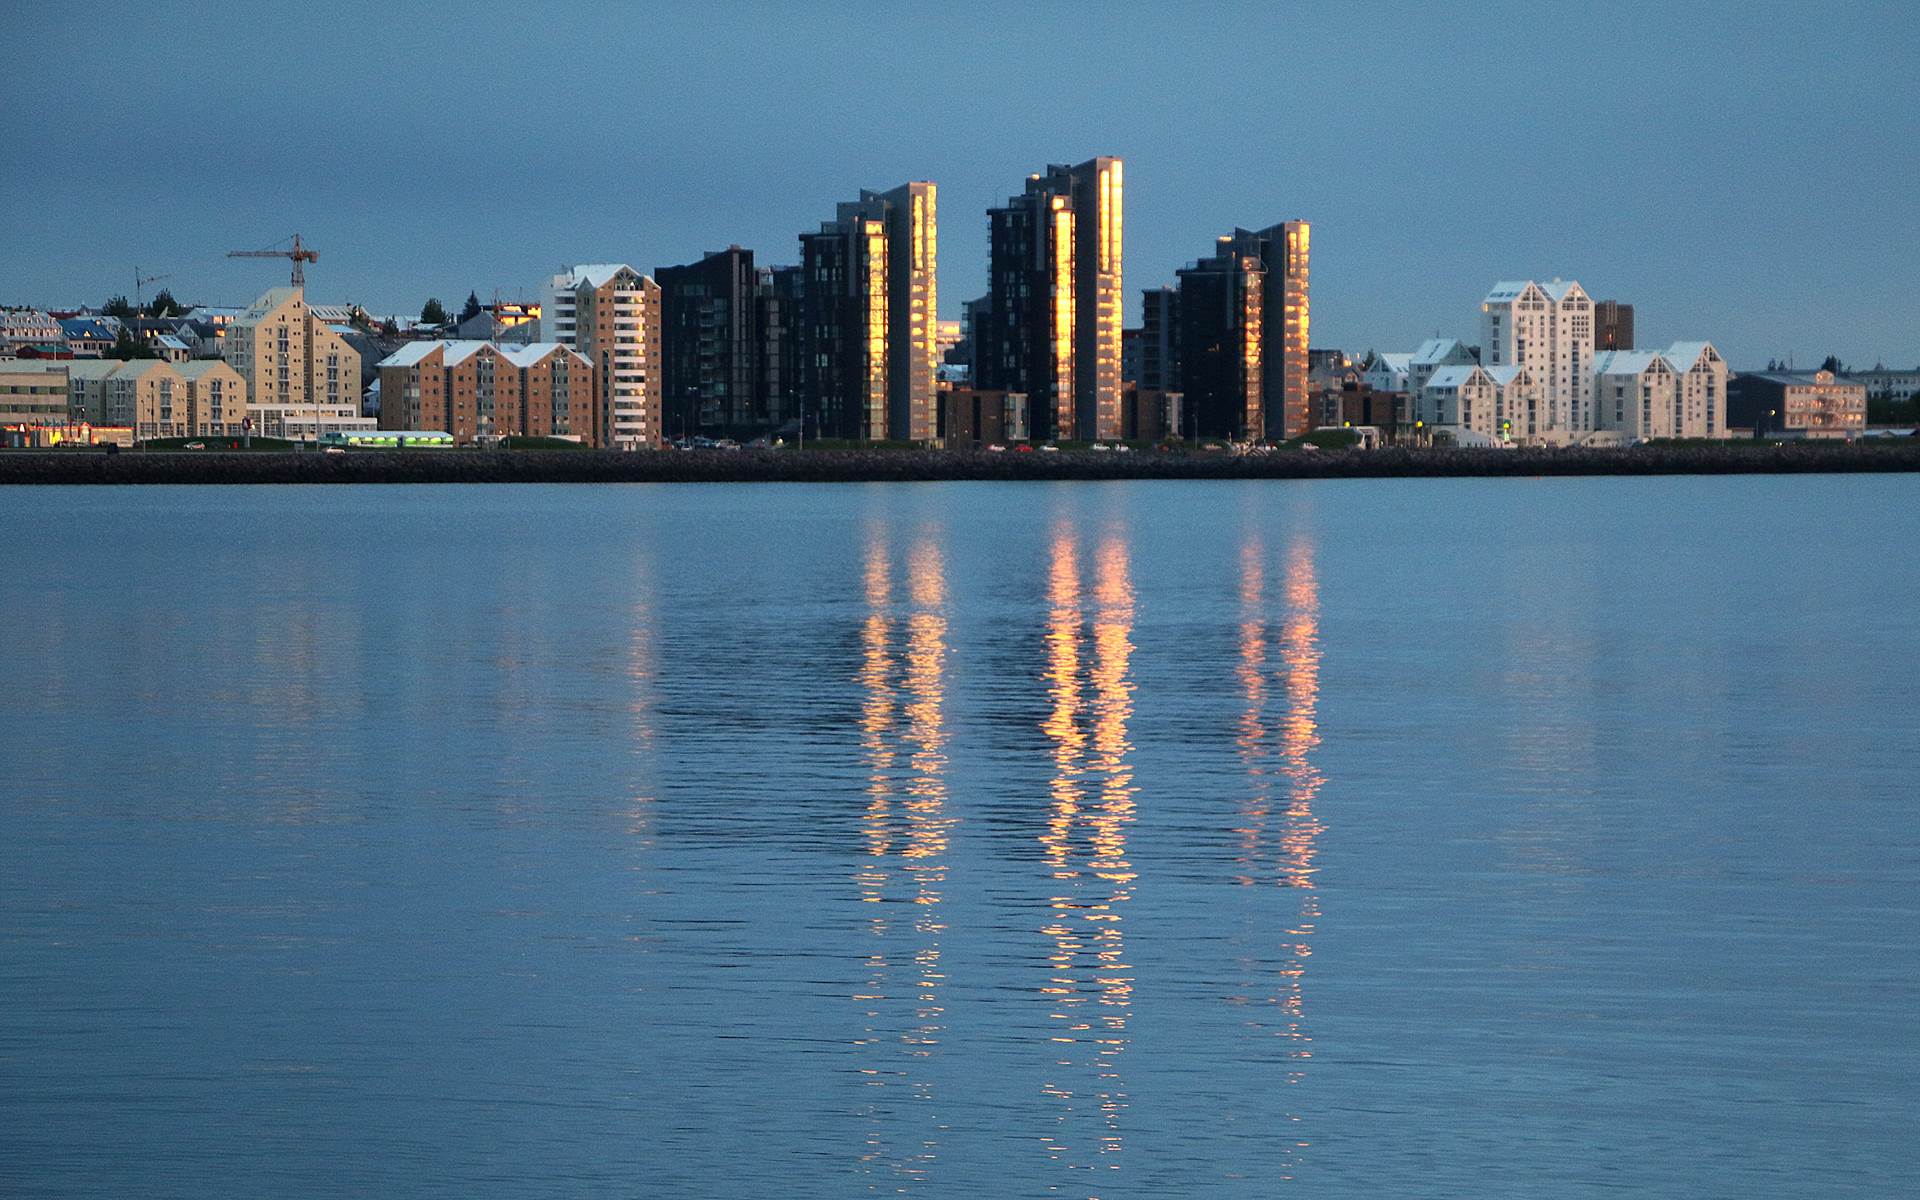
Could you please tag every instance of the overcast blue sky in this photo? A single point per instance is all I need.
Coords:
(1748, 173)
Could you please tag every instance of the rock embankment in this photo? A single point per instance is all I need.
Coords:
(858, 466)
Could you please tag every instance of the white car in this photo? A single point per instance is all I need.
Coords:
(996, 448)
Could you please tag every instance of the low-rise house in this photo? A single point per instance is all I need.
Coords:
(21, 328)
(1796, 404)
(90, 337)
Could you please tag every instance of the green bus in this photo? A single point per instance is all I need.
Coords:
(386, 439)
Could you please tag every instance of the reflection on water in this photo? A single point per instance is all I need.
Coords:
(903, 737)
(541, 844)
(1090, 983)
(1276, 839)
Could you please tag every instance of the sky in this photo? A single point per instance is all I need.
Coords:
(1746, 173)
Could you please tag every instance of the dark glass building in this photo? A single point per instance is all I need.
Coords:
(710, 344)
(1223, 336)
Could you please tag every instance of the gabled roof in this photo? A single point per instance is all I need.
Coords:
(194, 368)
(595, 274)
(1505, 375)
(1684, 356)
(1435, 350)
(1560, 289)
(269, 300)
(1507, 289)
(410, 355)
(93, 368)
(458, 351)
(1393, 362)
(533, 353)
(90, 327)
(1454, 376)
(1627, 362)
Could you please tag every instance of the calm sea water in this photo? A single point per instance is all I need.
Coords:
(1412, 838)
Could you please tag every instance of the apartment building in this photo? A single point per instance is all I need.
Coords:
(33, 400)
(478, 390)
(1547, 328)
(216, 397)
(609, 314)
(1053, 313)
(869, 324)
(301, 375)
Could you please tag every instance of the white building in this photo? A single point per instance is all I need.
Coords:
(1389, 372)
(1547, 328)
(1520, 405)
(1884, 384)
(1700, 387)
(1457, 399)
(1433, 354)
(609, 314)
(21, 327)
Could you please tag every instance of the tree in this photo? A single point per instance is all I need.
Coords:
(1832, 363)
(433, 313)
(118, 307)
(472, 307)
(358, 318)
(127, 346)
(164, 305)
(388, 329)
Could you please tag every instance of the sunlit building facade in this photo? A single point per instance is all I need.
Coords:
(1055, 304)
(1223, 337)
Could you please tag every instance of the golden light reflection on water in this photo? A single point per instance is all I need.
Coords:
(1089, 647)
(1278, 832)
(906, 830)
(642, 676)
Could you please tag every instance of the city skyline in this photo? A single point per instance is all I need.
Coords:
(1707, 201)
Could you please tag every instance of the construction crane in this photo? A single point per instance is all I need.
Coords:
(140, 281)
(299, 254)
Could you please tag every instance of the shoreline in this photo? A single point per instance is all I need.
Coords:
(28, 467)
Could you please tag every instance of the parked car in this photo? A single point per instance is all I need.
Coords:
(997, 448)
(1050, 448)
(195, 446)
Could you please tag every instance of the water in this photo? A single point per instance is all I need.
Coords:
(1415, 838)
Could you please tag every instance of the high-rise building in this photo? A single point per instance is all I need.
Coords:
(1053, 332)
(1223, 337)
(779, 364)
(869, 323)
(301, 374)
(709, 341)
(1245, 321)
(1159, 339)
(1612, 325)
(1547, 328)
(1286, 251)
(609, 314)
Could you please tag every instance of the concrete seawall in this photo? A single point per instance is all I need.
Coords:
(854, 466)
